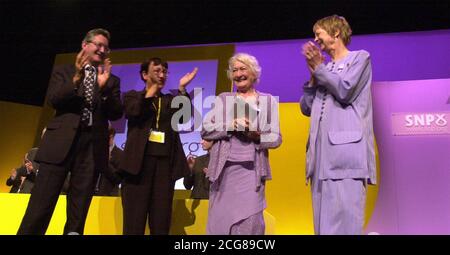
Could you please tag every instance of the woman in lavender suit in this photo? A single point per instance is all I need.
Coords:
(340, 155)
(243, 126)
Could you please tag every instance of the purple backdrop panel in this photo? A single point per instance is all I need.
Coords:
(406, 56)
(414, 195)
(283, 67)
(395, 57)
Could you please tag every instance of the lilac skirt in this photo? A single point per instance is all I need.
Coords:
(235, 206)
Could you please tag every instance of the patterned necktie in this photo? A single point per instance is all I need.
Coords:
(88, 94)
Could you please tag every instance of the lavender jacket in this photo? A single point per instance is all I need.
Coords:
(216, 127)
(340, 105)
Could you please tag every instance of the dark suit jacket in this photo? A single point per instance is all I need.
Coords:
(68, 103)
(110, 179)
(21, 171)
(26, 186)
(141, 115)
(198, 179)
(31, 157)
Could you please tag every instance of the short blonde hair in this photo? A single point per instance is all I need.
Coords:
(247, 60)
(333, 24)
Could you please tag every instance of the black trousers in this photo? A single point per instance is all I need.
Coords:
(48, 185)
(148, 195)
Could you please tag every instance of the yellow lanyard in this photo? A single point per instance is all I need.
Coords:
(159, 112)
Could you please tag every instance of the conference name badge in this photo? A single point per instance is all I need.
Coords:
(156, 137)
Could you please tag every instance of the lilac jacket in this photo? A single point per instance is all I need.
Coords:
(340, 107)
(217, 129)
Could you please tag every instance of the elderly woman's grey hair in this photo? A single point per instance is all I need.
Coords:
(248, 60)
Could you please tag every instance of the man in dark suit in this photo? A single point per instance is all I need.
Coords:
(153, 156)
(22, 178)
(15, 180)
(108, 181)
(197, 177)
(85, 96)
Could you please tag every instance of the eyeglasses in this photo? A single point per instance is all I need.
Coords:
(100, 45)
(163, 71)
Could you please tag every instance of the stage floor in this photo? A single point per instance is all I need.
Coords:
(105, 215)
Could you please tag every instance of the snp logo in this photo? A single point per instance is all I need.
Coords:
(427, 119)
(418, 123)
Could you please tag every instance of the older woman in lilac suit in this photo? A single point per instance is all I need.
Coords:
(340, 155)
(243, 125)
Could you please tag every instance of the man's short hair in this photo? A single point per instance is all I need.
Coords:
(156, 62)
(94, 32)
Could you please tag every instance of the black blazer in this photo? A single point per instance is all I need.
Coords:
(21, 171)
(141, 114)
(198, 179)
(68, 102)
(25, 186)
(110, 179)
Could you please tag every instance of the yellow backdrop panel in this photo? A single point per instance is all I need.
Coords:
(288, 196)
(18, 131)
